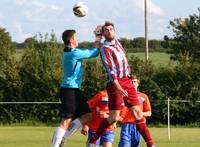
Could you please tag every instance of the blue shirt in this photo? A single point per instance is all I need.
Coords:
(73, 66)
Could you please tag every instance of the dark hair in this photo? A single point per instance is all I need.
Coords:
(66, 36)
(133, 77)
(107, 23)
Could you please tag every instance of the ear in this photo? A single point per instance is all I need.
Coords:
(71, 40)
(138, 82)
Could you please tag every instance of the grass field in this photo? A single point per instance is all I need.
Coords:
(158, 58)
(41, 137)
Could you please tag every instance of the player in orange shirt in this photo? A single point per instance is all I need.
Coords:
(99, 107)
(129, 136)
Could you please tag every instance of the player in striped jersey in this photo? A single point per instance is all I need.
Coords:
(129, 136)
(120, 88)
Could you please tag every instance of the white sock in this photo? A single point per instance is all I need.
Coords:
(58, 136)
(74, 126)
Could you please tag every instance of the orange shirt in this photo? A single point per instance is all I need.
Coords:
(98, 103)
(144, 104)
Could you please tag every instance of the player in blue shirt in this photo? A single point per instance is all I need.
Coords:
(73, 103)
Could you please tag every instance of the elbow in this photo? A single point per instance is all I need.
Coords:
(147, 114)
(150, 113)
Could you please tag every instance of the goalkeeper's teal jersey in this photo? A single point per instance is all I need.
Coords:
(73, 66)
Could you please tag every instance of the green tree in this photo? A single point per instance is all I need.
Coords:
(86, 44)
(9, 68)
(40, 68)
(126, 43)
(139, 42)
(185, 43)
(40, 74)
(6, 48)
(9, 78)
(94, 78)
(181, 82)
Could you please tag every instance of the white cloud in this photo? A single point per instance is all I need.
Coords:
(20, 2)
(19, 31)
(28, 15)
(152, 8)
(34, 16)
(46, 7)
(38, 4)
(41, 12)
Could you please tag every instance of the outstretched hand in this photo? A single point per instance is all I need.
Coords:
(98, 30)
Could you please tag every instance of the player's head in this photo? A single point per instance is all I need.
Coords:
(108, 31)
(135, 81)
(69, 38)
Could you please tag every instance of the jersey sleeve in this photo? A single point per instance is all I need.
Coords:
(86, 53)
(146, 104)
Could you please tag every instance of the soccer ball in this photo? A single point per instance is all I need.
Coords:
(80, 9)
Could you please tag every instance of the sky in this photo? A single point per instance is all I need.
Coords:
(27, 18)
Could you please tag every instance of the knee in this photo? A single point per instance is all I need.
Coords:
(65, 123)
(86, 118)
(89, 117)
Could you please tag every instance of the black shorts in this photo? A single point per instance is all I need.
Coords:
(73, 103)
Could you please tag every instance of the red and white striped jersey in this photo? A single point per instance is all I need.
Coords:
(115, 61)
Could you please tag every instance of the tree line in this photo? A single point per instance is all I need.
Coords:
(132, 45)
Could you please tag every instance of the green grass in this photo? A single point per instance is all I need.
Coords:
(41, 137)
(158, 58)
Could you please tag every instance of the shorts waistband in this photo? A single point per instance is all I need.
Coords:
(128, 122)
(120, 79)
(64, 88)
